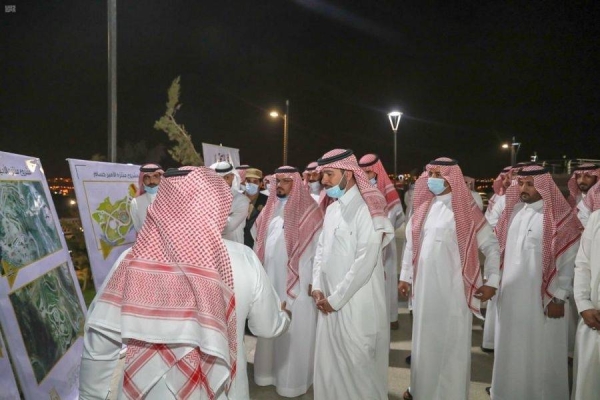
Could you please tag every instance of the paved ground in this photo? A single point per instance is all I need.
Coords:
(399, 371)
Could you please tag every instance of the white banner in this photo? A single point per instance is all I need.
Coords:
(42, 312)
(104, 192)
(213, 153)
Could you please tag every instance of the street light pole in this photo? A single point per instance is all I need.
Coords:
(394, 118)
(286, 118)
(514, 150)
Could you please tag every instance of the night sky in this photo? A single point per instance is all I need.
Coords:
(467, 78)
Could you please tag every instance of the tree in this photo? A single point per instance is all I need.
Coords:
(184, 151)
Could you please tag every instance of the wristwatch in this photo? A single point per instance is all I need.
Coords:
(557, 301)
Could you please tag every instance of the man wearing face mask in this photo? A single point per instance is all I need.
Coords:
(539, 236)
(236, 221)
(378, 177)
(148, 182)
(441, 261)
(287, 231)
(352, 346)
(257, 202)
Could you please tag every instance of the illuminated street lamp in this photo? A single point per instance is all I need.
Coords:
(275, 114)
(514, 149)
(394, 118)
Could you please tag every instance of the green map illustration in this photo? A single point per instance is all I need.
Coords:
(114, 221)
(50, 318)
(27, 228)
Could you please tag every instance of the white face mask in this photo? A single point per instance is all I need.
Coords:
(315, 187)
(251, 188)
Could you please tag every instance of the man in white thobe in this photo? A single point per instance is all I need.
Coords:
(442, 263)
(586, 367)
(236, 221)
(538, 235)
(287, 232)
(148, 182)
(352, 348)
(191, 341)
(492, 214)
(378, 177)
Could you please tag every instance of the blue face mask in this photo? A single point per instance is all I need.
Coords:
(151, 189)
(436, 185)
(251, 188)
(373, 181)
(335, 192)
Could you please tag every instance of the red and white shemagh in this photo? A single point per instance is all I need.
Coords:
(172, 296)
(371, 162)
(147, 169)
(592, 200)
(498, 187)
(311, 167)
(468, 219)
(242, 172)
(302, 220)
(561, 227)
(574, 191)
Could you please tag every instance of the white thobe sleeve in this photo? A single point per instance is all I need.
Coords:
(396, 216)
(565, 264)
(98, 363)
(135, 215)
(583, 213)
(406, 273)
(494, 214)
(488, 244)
(316, 275)
(368, 249)
(266, 319)
(237, 216)
(583, 271)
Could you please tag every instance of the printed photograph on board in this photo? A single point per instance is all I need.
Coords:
(50, 318)
(27, 227)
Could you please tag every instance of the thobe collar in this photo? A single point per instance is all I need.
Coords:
(349, 196)
(537, 206)
(444, 198)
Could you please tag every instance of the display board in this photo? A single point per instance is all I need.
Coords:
(104, 192)
(213, 153)
(42, 312)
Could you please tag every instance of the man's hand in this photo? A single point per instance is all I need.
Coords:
(324, 306)
(484, 293)
(591, 318)
(555, 310)
(283, 308)
(317, 295)
(403, 288)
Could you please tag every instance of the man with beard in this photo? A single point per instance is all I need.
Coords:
(539, 236)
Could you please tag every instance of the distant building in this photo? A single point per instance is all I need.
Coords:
(61, 186)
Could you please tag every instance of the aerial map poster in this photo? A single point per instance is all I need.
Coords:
(41, 307)
(104, 192)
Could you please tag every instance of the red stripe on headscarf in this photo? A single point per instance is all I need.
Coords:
(384, 184)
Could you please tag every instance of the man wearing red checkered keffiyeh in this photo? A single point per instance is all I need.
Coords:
(313, 181)
(148, 182)
(583, 181)
(372, 166)
(287, 232)
(179, 298)
(539, 236)
(441, 261)
(352, 345)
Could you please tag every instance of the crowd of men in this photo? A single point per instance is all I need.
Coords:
(307, 261)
